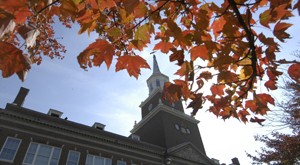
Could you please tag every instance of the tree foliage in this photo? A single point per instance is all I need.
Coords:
(283, 148)
(212, 43)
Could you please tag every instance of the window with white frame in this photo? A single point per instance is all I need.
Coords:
(119, 162)
(9, 149)
(97, 160)
(73, 158)
(38, 154)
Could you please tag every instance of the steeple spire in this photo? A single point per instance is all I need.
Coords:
(155, 66)
(157, 80)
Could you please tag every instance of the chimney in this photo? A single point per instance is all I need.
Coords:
(235, 161)
(20, 98)
(99, 126)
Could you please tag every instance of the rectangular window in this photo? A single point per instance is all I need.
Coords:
(97, 160)
(73, 158)
(119, 162)
(41, 154)
(9, 149)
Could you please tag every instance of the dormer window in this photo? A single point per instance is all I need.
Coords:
(54, 113)
(99, 126)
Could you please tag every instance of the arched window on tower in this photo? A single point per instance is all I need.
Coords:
(157, 83)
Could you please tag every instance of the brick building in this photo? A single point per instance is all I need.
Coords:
(165, 135)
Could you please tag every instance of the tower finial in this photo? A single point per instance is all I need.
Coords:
(155, 65)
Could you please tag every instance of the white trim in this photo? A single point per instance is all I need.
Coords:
(120, 161)
(9, 137)
(93, 147)
(163, 108)
(37, 151)
(77, 162)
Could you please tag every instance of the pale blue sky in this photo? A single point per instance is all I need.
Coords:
(114, 98)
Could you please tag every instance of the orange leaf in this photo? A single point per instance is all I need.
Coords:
(271, 84)
(130, 5)
(226, 77)
(98, 52)
(217, 90)
(265, 99)
(172, 92)
(12, 60)
(6, 23)
(163, 46)
(217, 26)
(18, 8)
(279, 31)
(251, 104)
(294, 72)
(106, 4)
(133, 64)
(199, 51)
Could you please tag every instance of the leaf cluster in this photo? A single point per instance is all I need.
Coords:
(212, 43)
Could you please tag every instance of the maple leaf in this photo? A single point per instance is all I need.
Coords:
(226, 77)
(130, 5)
(217, 89)
(177, 55)
(294, 72)
(279, 31)
(172, 92)
(163, 46)
(271, 84)
(18, 8)
(196, 103)
(98, 52)
(7, 24)
(243, 114)
(12, 60)
(217, 26)
(29, 34)
(132, 64)
(201, 52)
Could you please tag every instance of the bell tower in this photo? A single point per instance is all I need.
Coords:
(165, 124)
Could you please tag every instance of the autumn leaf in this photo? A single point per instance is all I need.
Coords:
(271, 84)
(279, 31)
(29, 34)
(217, 90)
(226, 77)
(130, 5)
(199, 51)
(7, 24)
(132, 64)
(217, 26)
(264, 99)
(163, 46)
(294, 72)
(96, 53)
(18, 8)
(12, 60)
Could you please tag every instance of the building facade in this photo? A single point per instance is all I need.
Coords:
(164, 136)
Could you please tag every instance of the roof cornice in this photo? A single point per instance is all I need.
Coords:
(163, 108)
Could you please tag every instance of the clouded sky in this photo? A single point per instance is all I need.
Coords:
(113, 98)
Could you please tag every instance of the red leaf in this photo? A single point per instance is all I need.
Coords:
(294, 72)
(13, 61)
(217, 26)
(133, 64)
(271, 84)
(251, 104)
(265, 99)
(279, 31)
(217, 90)
(98, 52)
(199, 51)
(163, 46)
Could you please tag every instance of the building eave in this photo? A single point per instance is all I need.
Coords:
(163, 108)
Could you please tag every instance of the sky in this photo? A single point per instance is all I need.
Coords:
(101, 95)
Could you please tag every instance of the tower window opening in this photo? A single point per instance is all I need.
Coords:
(157, 83)
(151, 87)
